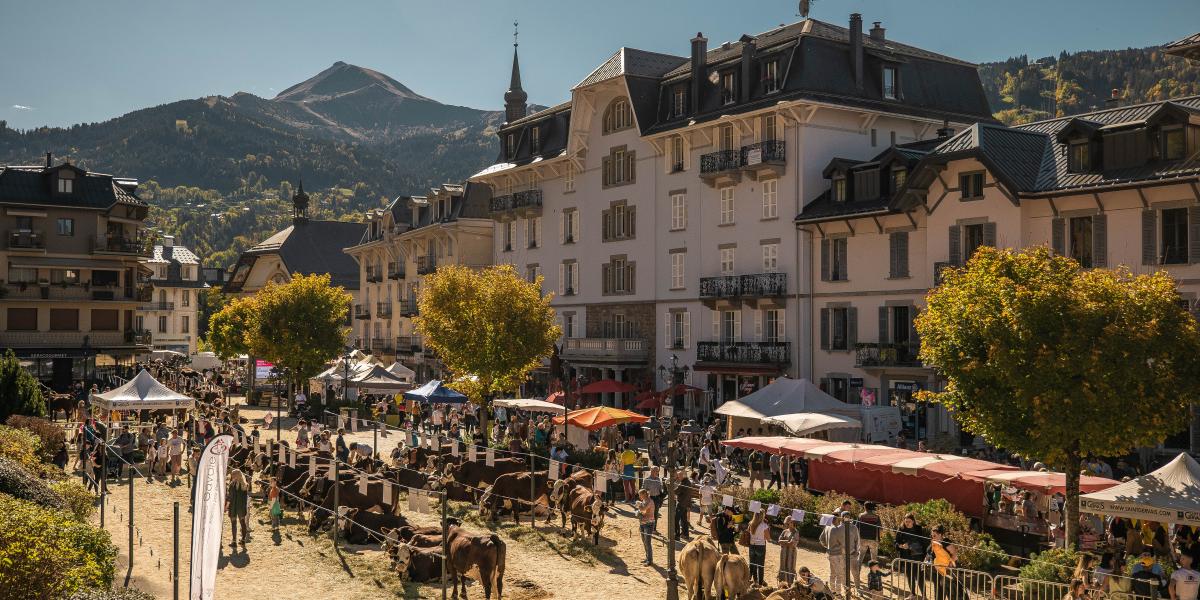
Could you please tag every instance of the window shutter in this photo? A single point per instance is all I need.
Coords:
(630, 277)
(605, 225)
(606, 170)
(1058, 236)
(562, 279)
(606, 277)
(562, 229)
(824, 328)
(955, 236)
(631, 215)
(670, 338)
(537, 229)
(843, 260)
(716, 332)
(737, 326)
(1100, 240)
(687, 330)
(825, 259)
(851, 327)
(630, 174)
(518, 242)
(883, 325)
(758, 326)
(1193, 234)
(989, 234)
(1149, 231)
(781, 333)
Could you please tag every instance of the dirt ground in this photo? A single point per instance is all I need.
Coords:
(542, 562)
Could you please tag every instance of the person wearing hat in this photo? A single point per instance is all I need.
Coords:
(841, 542)
(724, 531)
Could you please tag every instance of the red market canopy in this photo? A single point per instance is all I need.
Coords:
(1040, 481)
(650, 401)
(599, 417)
(607, 386)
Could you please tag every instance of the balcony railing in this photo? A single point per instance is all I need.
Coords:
(381, 344)
(408, 308)
(719, 161)
(157, 306)
(73, 291)
(362, 311)
(622, 349)
(887, 355)
(769, 152)
(408, 344)
(74, 339)
(757, 285)
(383, 310)
(31, 240)
(522, 202)
(395, 271)
(772, 353)
(426, 264)
(121, 244)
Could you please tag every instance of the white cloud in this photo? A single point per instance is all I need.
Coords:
(22, 107)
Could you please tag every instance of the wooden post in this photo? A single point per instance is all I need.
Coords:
(337, 513)
(445, 542)
(131, 517)
(175, 556)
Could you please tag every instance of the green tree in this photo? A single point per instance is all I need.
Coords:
(489, 323)
(210, 301)
(1057, 362)
(19, 391)
(47, 553)
(299, 325)
(227, 328)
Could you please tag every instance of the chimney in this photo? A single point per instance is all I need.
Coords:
(699, 59)
(877, 32)
(1114, 99)
(168, 241)
(748, 47)
(856, 48)
(49, 159)
(946, 131)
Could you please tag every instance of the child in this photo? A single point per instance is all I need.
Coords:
(875, 580)
(276, 508)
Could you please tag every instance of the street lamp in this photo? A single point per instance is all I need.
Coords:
(566, 391)
(674, 377)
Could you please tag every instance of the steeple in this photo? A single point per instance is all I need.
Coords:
(299, 204)
(515, 97)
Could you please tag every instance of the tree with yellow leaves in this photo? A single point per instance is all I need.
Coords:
(490, 324)
(1057, 362)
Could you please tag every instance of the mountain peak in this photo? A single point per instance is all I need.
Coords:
(342, 78)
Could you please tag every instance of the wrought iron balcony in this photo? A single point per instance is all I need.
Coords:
(383, 310)
(157, 306)
(121, 245)
(26, 240)
(757, 285)
(524, 202)
(408, 308)
(395, 271)
(362, 311)
(140, 337)
(610, 349)
(722, 160)
(767, 353)
(887, 355)
(769, 152)
(426, 264)
(408, 344)
(381, 344)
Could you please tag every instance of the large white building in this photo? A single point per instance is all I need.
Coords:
(176, 285)
(659, 201)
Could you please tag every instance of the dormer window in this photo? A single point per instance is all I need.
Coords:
(1174, 143)
(535, 139)
(890, 90)
(728, 87)
(770, 76)
(1079, 157)
(679, 102)
(66, 182)
(618, 116)
(839, 188)
(510, 145)
(899, 176)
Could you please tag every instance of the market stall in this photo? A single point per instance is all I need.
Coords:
(143, 392)
(529, 404)
(784, 399)
(591, 419)
(435, 392)
(1170, 494)
(378, 379)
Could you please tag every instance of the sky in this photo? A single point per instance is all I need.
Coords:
(85, 60)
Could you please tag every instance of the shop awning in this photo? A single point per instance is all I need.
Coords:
(1039, 481)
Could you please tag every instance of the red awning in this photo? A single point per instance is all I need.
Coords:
(607, 386)
(1038, 481)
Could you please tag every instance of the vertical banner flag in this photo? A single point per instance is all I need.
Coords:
(208, 498)
(490, 457)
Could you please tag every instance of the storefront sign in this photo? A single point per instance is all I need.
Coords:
(262, 369)
(856, 382)
(754, 157)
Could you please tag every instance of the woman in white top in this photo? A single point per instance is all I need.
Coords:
(760, 531)
(302, 436)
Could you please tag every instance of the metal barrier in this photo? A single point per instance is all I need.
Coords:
(1008, 587)
(913, 578)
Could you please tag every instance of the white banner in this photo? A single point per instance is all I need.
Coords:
(208, 516)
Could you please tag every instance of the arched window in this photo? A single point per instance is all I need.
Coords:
(618, 116)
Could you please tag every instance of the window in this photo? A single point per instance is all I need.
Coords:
(569, 179)
(618, 116)
(510, 145)
(728, 260)
(66, 227)
(570, 226)
(534, 231)
(619, 276)
(725, 135)
(731, 325)
(184, 322)
(619, 166)
(770, 200)
(1081, 241)
(1078, 159)
(535, 139)
(898, 251)
(972, 239)
(971, 185)
(770, 257)
(728, 87)
(510, 232)
(866, 184)
(1174, 236)
(901, 324)
(680, 330)
(770, 76)
(64, 319)
(677, 154)
(65, 185)
(186, 297)
(679, 102)
(770, 129)
(678, 269)
(772, 325)
(1174, 143)
(619, 222)
(25, 224)
(569, 325)
(162, 324)
(24, 275)
(726, 206)
(839, 189)
(839, 328)
(899, 176)
(889, 83)
(531, 273)
(678, 212)
(569, 278)
(64, 276)
(838, 259)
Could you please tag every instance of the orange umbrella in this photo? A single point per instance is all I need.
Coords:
(599, 417)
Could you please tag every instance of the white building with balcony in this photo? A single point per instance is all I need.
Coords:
(170, 316)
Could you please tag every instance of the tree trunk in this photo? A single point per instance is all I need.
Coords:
(1071, 510)
(485, 419)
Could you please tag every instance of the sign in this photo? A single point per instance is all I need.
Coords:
(262, 369)
(208, 516)
(856, 382)
(906, 386)
(754, 157)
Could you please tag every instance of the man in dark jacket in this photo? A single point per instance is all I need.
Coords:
(725, 531)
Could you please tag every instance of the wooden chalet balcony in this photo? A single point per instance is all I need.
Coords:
(426, 264)
(26, 240)
(721, 167)
(362, 311)
(880, 355)
(608, 350)
(730, 290)
(408, 344)
(766, 158)
(745, 353)
(526, 203)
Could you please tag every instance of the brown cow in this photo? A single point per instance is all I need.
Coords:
(365, 526)
(476, 474)
(698, 565)
(487, 552)
(417, 564)
(588, 508)
(512, 491)
(561, 489)
(422, 540)
(395, 536)
(732, 576)
(349, 497)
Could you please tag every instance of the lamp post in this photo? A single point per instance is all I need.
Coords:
(674, 377)
(346, 376)
(672, 485)
(566, 390)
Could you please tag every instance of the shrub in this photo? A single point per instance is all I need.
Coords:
(1055, 565)
(48, 554)
(20, 446)
(19, 482)
(113, 594)
(19, 391)
(765, 496)
(52, 436)
(978, 551)
(77, 500)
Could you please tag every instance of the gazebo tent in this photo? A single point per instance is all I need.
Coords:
(1169, 495)
(808, 423)
(143, 392)
(378, 379)
(531, 405)
(435, 393)
(784, 397)
(401, 371)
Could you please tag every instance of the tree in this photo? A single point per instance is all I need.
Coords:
(489, 323)
(19, 391)
(299, 325)
(209, 302)
(227, 328)
(1056, 362)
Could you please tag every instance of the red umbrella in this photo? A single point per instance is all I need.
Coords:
(556, 398)
(607, 386)
(650, 401)
(680, 390)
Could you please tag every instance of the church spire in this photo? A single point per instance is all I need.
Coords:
(299, 204)
(515, 97)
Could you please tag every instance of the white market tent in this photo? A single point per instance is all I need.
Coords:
(379, 379)
(401, 371)
(338, 370)
(789, 399)
(143, 392)
(530, 405)
(802, 424)
(1169, 495)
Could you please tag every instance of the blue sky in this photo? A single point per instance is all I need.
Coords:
(87, 60)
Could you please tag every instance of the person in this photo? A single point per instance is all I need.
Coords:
(812, 583)
(704, 460)
(273, 501)
(343, 451)
(175, 446)
(788, 539)
(89, 468)
(868, 529)
(237, 502)
(646, 519)
(1104, 571)
(760, 531)
(875, 576)
(1147, 575)
(323, 444)
(724, 531)
(628, 459)
(1028, 508)
(1185, 581)
(1084, 567)
(776, 477)
(1077, 590)
(913, 541)
(841, 542)
(757, 469)
(302, 435)
(686, 493)
(945, 557)
(301, 401)
(653, 485)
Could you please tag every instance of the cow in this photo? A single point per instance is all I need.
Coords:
(454, 490)
(561, 489)
(347, 496)
(487, 552)
(511, 490)
(698, 564)
(407, 478)
(398, 535)
(417, 564)
(732, 576)
(422, 540)
(588, 509)
(365, 526)
(476, 474)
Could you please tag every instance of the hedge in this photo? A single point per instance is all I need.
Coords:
(18, 482)
(51, 435)
(46, 553)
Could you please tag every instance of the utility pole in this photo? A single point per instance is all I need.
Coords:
(672, 576)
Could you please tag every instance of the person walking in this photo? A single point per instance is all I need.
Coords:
(237, 503)
(788, 539)
(724, 531)
(945, 557)
(684, 496)
(646, 520)
(628, 459)
(776, 477)
(654, 485)
(841, 545)
(913, 541)
(343, 451)
(273, 501)
(760, 531)
(868, 530)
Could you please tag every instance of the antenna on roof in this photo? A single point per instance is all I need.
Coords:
(805, 5)
(515, 32)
